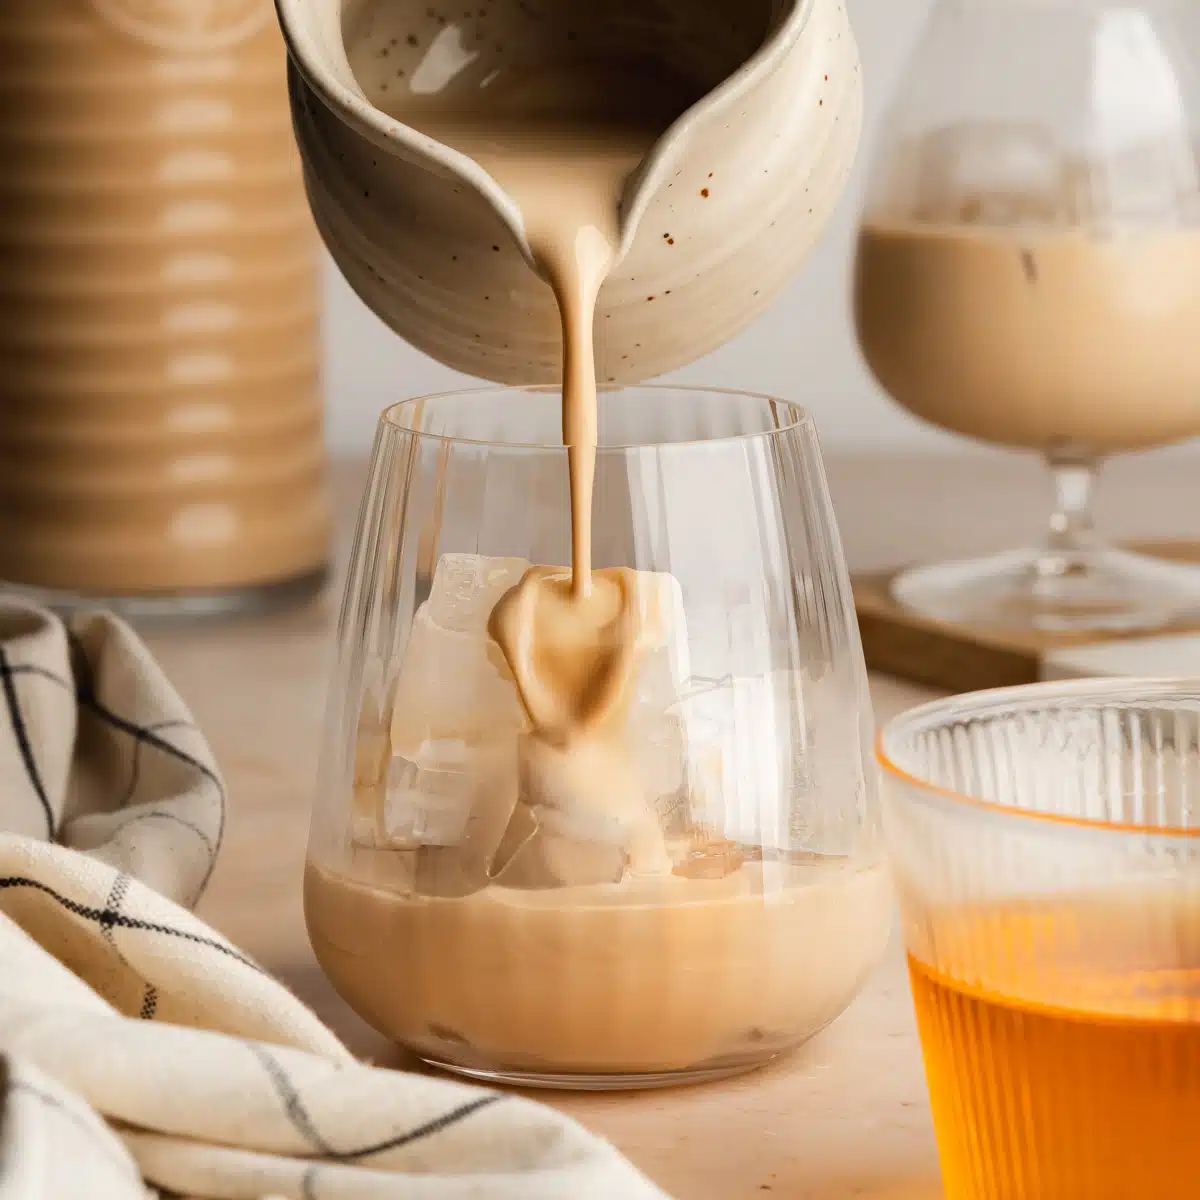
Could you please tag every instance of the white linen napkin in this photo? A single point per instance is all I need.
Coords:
(141, 1054)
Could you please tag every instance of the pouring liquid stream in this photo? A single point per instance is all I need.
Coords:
(570, 639)
(570, 643)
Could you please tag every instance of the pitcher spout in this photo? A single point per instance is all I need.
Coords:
(315, 34)
(751, 111)
(785, 24)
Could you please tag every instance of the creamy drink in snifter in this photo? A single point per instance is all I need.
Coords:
(515, 891)
(1013, 316)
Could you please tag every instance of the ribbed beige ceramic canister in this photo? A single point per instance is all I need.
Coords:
(160, 407)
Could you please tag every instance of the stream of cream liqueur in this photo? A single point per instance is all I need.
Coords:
(569, 639)
(561, 141)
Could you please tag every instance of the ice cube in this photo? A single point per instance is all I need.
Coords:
(452, 685)
(452, 681)
(428, 799)
(446, 872)
(674, 813)
(451, 793)
(366, 810)
(451, 805)
(581, 825)
(992, 173)
(663, 639)
(547, 848)
(589, 780)
(710, 858)
(544, 860)
(592, 808)
(466, 588)
(386, 870)
(522, 826)
(572, 862)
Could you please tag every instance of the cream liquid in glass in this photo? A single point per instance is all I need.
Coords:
(1040, 338)
(644, 976)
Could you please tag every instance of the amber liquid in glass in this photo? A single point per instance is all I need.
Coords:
(1055, 1101)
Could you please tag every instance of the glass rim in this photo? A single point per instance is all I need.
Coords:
(1130, 691)
(800, 417)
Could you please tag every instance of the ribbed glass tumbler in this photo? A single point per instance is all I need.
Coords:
(1046, 848)
(511, 932)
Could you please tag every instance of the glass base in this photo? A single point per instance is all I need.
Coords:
(597, 1083)
(1096, 590)
(255, 600)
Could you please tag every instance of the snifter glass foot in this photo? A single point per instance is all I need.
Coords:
(1099, 590)
(1074, 584)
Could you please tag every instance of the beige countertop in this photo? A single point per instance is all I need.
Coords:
(845, 1116)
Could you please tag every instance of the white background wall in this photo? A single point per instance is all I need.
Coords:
(803, 349)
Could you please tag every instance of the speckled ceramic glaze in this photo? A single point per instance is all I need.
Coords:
(714, 223)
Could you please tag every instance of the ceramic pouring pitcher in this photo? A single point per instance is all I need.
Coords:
(714, 222)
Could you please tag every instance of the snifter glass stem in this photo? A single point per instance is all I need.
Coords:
(1071, 526)
(1071, 540)
(1073, 583)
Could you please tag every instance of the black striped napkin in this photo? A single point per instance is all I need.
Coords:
(143, 1054)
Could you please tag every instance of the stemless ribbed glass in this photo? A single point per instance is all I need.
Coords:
(1046, 847)
(500, 936)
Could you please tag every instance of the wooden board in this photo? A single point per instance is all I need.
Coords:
(963, 658)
